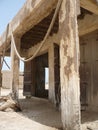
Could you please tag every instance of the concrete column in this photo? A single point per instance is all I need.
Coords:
(0, 75)
(15, 69)
(51, 73)
(69, 60)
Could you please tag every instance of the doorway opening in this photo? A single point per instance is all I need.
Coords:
(46, 78)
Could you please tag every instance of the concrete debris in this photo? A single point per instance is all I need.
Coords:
(7, 103)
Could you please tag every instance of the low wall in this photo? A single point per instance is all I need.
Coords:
(6, 79)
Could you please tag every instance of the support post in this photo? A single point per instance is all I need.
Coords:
(15, 70)
(0, 75)
(51, 74)
(69, 59)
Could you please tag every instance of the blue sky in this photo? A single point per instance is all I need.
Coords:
(8, 9)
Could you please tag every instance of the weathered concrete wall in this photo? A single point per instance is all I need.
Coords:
(89, 69)
(6, 79)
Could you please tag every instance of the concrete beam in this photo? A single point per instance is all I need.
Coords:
(49, 41)
(88, 24)
(90, 5)
(27, 18)
(31, 13)
(85, 26)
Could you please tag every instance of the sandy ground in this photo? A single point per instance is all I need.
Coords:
(41, 111)
(89, 120)
(37, 114)
(15, 121)
(40, 114)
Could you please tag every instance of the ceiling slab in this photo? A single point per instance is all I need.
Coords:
(90, 5)
(88, 24)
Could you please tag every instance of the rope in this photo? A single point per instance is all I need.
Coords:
(45, 38)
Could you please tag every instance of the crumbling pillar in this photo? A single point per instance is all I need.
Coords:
(0, 75)
(15, 69)
(69, 59)
(51, 74)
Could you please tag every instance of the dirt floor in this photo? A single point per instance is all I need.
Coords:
(89, 120)
(37, 114)
(40, 114)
